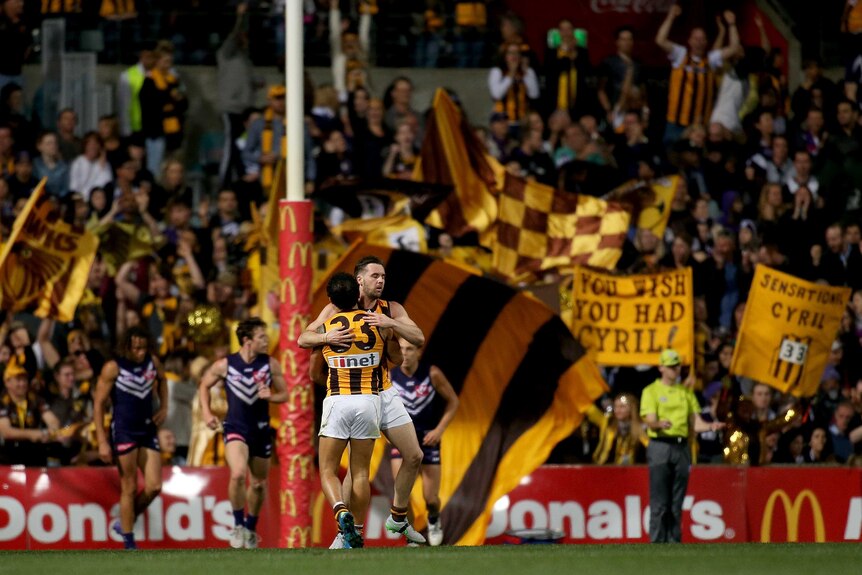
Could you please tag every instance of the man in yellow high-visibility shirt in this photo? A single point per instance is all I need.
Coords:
(671, 412)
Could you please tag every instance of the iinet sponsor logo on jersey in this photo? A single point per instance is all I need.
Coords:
(358, 360)
(195, 519)
(603, 519)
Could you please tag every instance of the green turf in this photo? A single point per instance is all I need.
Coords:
(784, 559)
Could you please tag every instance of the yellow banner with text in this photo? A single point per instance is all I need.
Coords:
(787, 331)
(629, 320)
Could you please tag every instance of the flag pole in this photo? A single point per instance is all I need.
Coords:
(294, 441)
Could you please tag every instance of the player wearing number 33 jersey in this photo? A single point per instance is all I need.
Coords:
(358, 368)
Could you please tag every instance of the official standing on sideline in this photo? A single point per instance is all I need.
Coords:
(670, 411)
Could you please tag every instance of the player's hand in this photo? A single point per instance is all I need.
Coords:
(339, 337)
(432, 437)
(212, 422)
(380, 320)
(160, 416)
(264, 391)
(105, 452)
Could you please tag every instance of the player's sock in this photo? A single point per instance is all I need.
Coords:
(399, 514)
(239, 517)
(360, 527)
(251, 522)
(338, 509)
(433, 513)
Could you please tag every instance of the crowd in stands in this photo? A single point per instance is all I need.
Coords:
(768, 175)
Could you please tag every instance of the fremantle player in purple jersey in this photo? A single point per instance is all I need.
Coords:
(131, 382)
(252, 380)
(431, 402)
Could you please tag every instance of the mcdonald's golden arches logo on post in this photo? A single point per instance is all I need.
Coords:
(287, 215)
(792, 511)
(304, 249)
(288, 502)
(288, 288)
(304, 462)
(303, 392)
(288, 362)
(297, 323)
(287, 427)
(298, 536)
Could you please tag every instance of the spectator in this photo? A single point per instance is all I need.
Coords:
(635, 156)
(577, 146)
(429, 39)
(73, 409)
(532, 161)
(15, 42)
(370, 143)
(842, 261)
(818, 448)
(26, 423)
(499, 141)
(802, 176)
(349, 51)
(182, 392)
(685, 105)
(470, 27)
(7, 154)
(568, 73)
(334, 163)
(236, 92)
(622, 440)
(616, 70)
(128, 93)
(402, 154)
(399, 104)
(265, 144)
(513, 85)
(815, 91)
(22, 182)
(90, 169)
(108, 129)
(842, 436)
(49, 164)
(163, 107)
(70, 144)
(12, 114)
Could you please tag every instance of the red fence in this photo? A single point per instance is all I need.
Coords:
(72, 508)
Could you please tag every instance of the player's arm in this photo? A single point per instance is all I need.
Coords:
(214, 374)
(393, 348)
(317, 367)
(161, 415)
(447, 392)
(278, 392)
(313, 336)
(109, 374)
(400, 322)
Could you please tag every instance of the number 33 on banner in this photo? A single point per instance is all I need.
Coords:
(793, 351)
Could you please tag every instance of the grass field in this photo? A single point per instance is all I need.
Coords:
(784, 559)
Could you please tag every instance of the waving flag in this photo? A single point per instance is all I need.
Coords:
(542, 228)
(452, 155)
(522, 378)
(45, 262)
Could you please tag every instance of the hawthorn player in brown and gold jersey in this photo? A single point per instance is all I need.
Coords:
(356, 368)
(351, 410)
(395, 422)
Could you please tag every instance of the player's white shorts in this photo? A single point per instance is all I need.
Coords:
(351, 417)
(392, 411)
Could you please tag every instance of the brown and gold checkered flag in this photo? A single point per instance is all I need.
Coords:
(540, 228)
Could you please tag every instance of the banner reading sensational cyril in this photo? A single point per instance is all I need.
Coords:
(630, 320)
(787, 331)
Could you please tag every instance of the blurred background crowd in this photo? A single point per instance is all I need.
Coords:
(769, 174)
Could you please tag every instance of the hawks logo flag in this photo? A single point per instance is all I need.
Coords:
(452, 155)
(522, 379)
(542, 228)
(122, 242)
(787, 331)
(45, 262)
(630, 320)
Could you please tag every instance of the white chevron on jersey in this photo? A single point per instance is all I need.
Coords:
(418, 396)
(138, 385)
(245, 387)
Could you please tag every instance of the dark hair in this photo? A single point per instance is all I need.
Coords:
(364, 263)
(622, 29)
(245, 329)
(130, 334)
(343, 290)
(65, 362)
